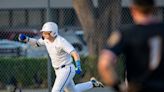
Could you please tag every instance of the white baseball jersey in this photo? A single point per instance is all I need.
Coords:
(59, 50)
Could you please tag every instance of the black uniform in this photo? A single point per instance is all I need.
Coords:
(142, 45)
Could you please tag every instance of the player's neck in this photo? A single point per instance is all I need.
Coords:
(51, 39)
(144, 20)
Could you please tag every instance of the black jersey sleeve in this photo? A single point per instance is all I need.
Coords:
(115, 43)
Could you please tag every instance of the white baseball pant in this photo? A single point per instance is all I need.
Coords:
(64, 81)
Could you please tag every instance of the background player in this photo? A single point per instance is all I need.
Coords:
(142, 44)
(60, 52)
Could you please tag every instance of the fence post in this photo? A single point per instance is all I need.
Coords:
(49, 60)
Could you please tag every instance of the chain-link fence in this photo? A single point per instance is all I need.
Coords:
(89, 21)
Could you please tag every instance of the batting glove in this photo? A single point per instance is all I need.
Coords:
(23, 37)
(78, 67)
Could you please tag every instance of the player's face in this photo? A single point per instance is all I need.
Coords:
(137, 15)
(46, 35)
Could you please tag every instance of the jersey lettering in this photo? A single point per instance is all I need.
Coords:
(155, 52)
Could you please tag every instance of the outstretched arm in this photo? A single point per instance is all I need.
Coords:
(31, 41)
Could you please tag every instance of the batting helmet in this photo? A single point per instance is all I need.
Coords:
(50, 27)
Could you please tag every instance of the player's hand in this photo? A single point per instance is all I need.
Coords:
(78, 70)
(23, 38)
(78, 67)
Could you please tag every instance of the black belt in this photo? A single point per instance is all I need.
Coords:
(62, 66)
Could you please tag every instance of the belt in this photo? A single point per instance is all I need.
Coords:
(62, 66)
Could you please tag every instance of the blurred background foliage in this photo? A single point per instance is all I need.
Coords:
(25, 70)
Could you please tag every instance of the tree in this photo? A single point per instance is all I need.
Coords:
(97, 22)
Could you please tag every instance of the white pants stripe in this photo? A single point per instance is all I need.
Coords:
(66, 79)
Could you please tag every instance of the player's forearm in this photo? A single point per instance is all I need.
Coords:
(33, 42)
(75, 55)
(106, 67)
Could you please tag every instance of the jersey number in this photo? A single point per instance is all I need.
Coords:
(155, 44)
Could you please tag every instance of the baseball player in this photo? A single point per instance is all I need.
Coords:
(61, 53)
(142, 44)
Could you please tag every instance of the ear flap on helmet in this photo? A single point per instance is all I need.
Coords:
(52, 34)
(42, 37)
